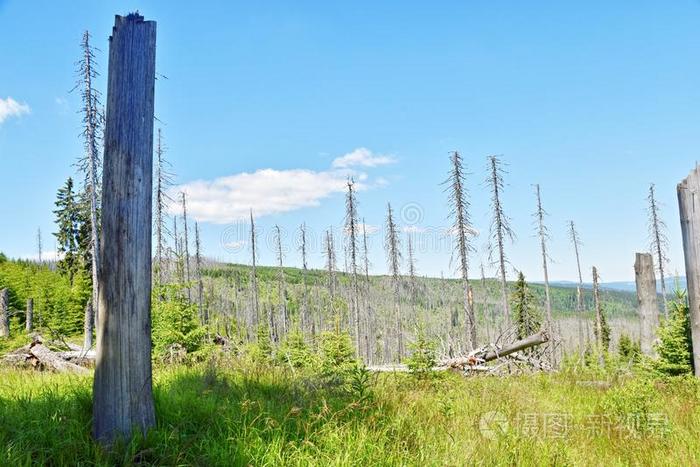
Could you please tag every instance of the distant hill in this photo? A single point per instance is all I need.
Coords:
(626, 286)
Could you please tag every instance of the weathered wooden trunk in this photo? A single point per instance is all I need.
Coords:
(4, 313)
(123, 396)
(647, 305)
(29, 317)
(689, 207)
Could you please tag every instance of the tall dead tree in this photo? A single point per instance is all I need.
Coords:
(281, 283)
(122, 390)
(186, 249)
(253, 275)
(90, 165)
(351, 232)
(368, 324)
(689, 208)
(163, 180)
(392, 246)
(29, 316)
(203, 315)
(462, 229)
(4, 313)
(658, 241)
(576, 242)
(39, 243)
(647, 305)
(544, 236)
(331, 267)
(599, 325)
(500, 229)
(411, 260)
(306, 322)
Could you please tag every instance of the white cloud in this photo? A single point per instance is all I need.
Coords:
(361, 157)
(11, 108)
(266, 191)
(368, 229)
(414, 229)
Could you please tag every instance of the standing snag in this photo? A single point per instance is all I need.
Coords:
(122, 391)
(647, 305)
(90, 164)
(500, 229)
(689, 207)
(393, 257)
(351, 222)
(4, 313)
(544, 236)
(658, 241)
(462, 229)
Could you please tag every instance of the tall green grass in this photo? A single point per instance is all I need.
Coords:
(236, 414)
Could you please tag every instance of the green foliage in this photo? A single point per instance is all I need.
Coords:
(633, 405)
(73, 230)
(295, 351)
(175, 321)
(422, 359)
(240, 415)
(674, 347)
(261, 351)
(527, 318)
(605, 328)
(360, 384)
(628, 349)
(59, 306)
(337, 356)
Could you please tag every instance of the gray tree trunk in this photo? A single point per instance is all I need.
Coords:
(648, 307)
(689, 207)
(4, 314)
(122, 391)
(29, 317)
(88, 325)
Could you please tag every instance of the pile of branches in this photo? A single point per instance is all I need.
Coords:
(514, 357)
(58, 356)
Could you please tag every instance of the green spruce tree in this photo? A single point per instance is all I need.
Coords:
(527, 318)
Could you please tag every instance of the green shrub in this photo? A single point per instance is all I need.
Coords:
(337, 357)
(674, 347)
(294, 351)
(422, 359)
(633, 406)
(628, 349)
(175, 321)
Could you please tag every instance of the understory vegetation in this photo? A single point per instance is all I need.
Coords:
(232, 412)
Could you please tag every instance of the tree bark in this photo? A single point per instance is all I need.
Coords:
(123, 395)
(29, 317)
(488, 354)
(647, 304)
(4, 313)
(689, 208)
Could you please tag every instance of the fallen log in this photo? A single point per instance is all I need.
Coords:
(475, 360)
(53, 360)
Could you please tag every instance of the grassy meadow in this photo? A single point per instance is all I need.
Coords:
(234, 413)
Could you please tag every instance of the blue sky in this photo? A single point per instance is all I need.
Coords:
(593, 100)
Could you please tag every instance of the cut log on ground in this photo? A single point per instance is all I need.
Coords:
(37, 355)
(494, 351)
(475, 361)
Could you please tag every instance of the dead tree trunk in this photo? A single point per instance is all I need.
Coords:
(689, 207)
(123, 394)
(487, 354)
(648, 307)
(4, 314)
(29, 317)
(88, 326)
